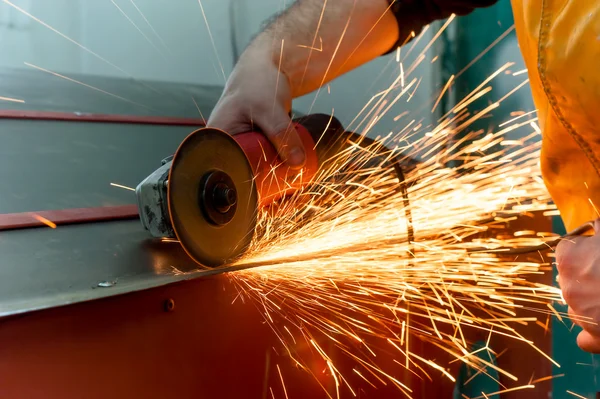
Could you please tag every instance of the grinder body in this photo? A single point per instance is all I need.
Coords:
(207, 195)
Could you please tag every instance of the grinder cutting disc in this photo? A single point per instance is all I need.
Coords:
(212, 198)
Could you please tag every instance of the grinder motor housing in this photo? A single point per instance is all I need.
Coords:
(217, 194)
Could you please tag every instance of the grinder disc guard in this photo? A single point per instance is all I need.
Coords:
(212, 197)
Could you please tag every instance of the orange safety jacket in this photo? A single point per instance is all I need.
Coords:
(560, 42)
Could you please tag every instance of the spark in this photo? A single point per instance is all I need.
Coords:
(198, 108)
(122, 186)
(410, 96)
(14, 100)
(81, 46)
(481, 85)
(150, 26)
(446, 86)
(83, 84)
(550, 377)
(508, 122)
(337, 47)
(282, 383)
(529, 386)
(439, 32)
(576, 394)
(42, 219)
(279, 74)
(522, 71)
(212, 41)
(402, 75)
(135, 25)
(313, 42)
(397, 117)
(486, 50)
(320, 49)
(357, 48)
(535, 127)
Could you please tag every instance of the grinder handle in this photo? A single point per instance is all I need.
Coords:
(273, 178)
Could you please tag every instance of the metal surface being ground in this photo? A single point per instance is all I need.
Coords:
(44, 268)
(52, 165)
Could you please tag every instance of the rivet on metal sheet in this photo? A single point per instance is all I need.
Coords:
(105, 284)
(169, 305)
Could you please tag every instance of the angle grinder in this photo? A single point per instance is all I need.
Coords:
(208, 194)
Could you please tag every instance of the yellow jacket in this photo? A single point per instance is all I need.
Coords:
(560, 42)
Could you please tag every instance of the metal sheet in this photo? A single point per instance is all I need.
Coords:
(58, 165)
(43, 268)
(45, 92)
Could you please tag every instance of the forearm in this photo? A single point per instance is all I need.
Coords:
(314, 41)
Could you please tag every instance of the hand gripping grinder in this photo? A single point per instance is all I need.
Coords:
(208, 194)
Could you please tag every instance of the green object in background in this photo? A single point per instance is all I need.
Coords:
(471, 382)
(581, 370)
(476, 46)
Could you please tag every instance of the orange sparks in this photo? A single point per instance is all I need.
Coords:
(135, 26)
(339, 273)
(486, 50)
(282, 383)
(198, 108)
(313, 48)
(522, 71)
(576, 394)
(550, 377)
(521, 115)
(122, 186)
(212, 40)
(448, 83)
(42, 219)
(14, 100)
(277, 82)
(81, 83)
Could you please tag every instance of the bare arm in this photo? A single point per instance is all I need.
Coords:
(306, 46)
(309, 44)
(315, 41)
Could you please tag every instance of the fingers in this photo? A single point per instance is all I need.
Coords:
(588, 342)
(278, 127)
(230, 122)
(275, 123)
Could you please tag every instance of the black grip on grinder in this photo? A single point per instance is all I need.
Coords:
(327, 132)
(331, 138)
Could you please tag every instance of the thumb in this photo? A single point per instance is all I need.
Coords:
(588, 342)
(280, 131)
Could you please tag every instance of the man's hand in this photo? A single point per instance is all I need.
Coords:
(308, 45)
(258, 97)
(578, 262)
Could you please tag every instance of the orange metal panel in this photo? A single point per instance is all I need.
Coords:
(130, 346)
